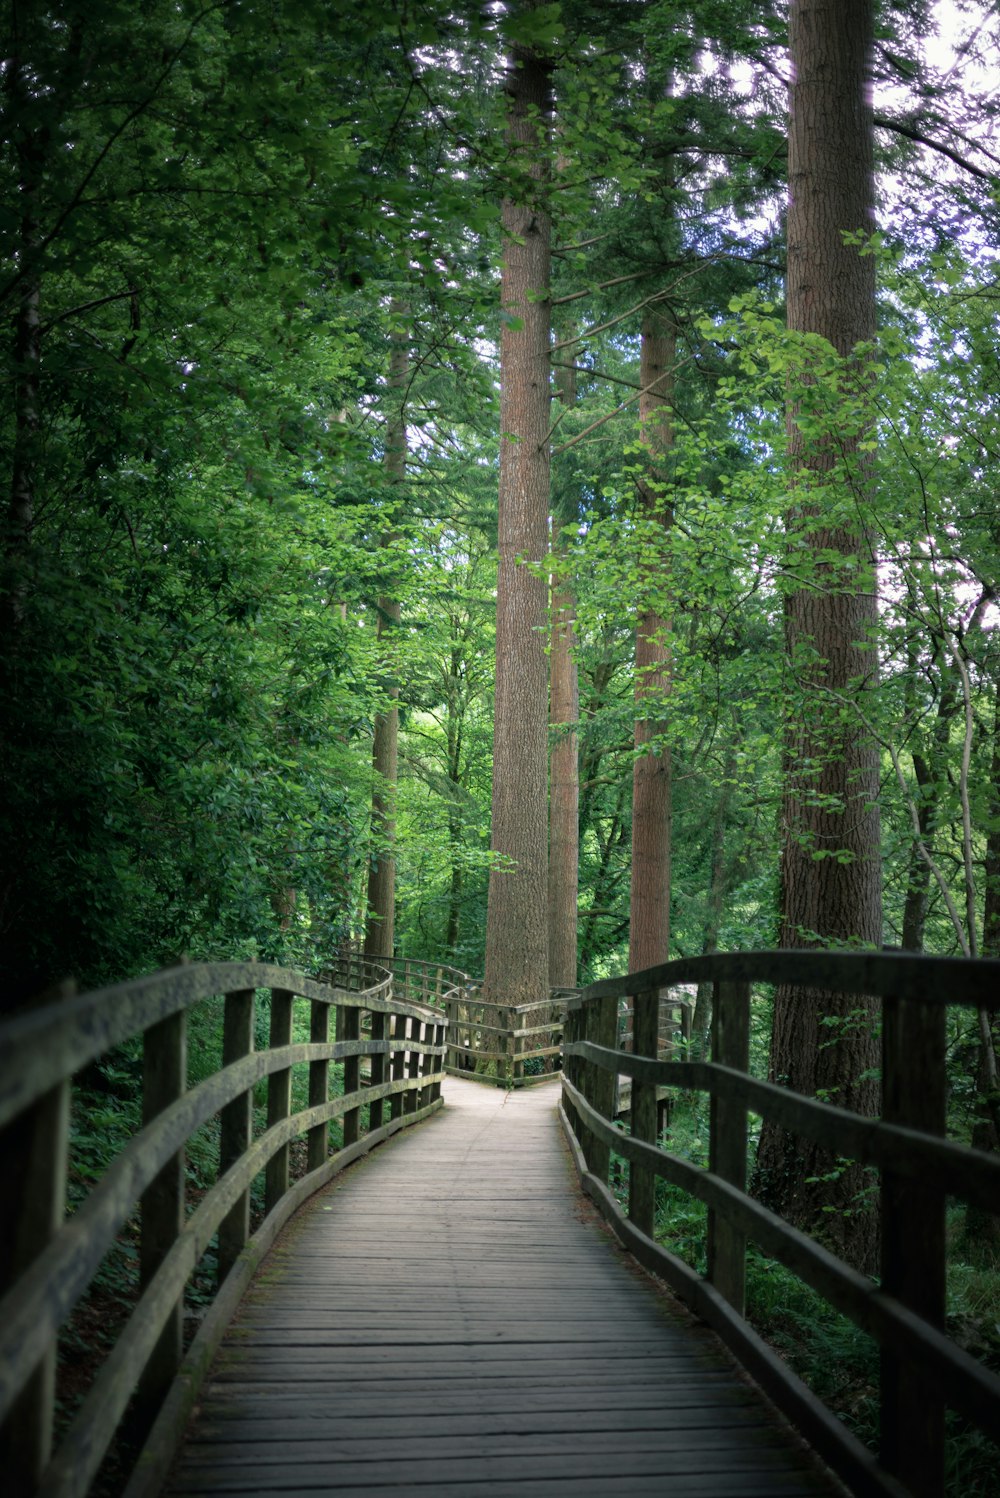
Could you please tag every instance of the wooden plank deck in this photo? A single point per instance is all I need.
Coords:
(449, 1317)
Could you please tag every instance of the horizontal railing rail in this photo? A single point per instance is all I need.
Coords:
(922, 1371)
(417, 980)
(48, 1260)
(509, 1045)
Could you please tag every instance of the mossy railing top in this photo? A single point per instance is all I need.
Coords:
(48, 1259)
(922, 1369)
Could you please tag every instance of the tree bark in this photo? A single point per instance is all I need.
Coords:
(982, 1229)
(928, 777)
(831, 869)
(564, 756)
(381, 909)
(517, 958)
(717, 888)
(649, 922)
(31, 151)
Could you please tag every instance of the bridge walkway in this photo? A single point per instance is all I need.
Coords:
(450, 1318)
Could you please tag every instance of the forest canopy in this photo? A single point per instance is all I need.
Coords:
(257, 293)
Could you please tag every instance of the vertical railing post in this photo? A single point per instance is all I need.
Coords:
(727, 1149)
(573, 1067)
(279, 1096)
(913, 1242)
(642, 1182)
(349, 1028)
(451, 1010)
(600, 1084)
(318, 1138)
(33, 1150)
(235, 1132)
(517, 1046)
(399, 1031)
(440, 1037)
(413, 1067)
(164, 1078)
(376, 1108)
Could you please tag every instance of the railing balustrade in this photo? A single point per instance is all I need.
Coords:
(923, 1370)
(47, 1260)
(509, 1045)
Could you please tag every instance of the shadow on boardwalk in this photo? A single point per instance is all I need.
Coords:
(449, 1318)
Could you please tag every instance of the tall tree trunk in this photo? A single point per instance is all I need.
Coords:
(982, 1229)
(649, 923)
(564, 755)
(31, 151)
(381, 909)
(717, 885)
(928, 778)
(831, 868)
(517, 958)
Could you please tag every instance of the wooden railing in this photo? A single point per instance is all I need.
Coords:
(509, 1045)
(923, 1370)
(416, 981)
(47, 1260)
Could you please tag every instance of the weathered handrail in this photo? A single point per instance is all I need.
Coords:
(417, 980)
(47, 1260)
(508, 1045)
(922, 1369)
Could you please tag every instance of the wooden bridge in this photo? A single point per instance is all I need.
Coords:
(449, 1314)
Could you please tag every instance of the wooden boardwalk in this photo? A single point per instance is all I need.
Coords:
(449, 1318)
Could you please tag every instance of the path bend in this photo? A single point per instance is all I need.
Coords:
(450, 1318)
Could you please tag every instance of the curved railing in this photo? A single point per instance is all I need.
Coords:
(923, 1370)
(505, 1044)
(48, 1260)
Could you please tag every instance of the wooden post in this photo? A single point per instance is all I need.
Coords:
(451, 1055)
(279, 1096)
(413, 1069)
(33, 1190)
(399, 1024)
(440, 1032)
(237, 1042)
(378, 1074)
(913, 1242)
(349, 1028)
(642, 1182)
(318, 1138)
(164, 1079)
(572, 1031)
(599, 1085)
(727, 1149)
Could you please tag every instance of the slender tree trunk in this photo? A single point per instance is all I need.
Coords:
(982, 1229)
(564, 755)
(717, 885)
(381, 907)
(649, 925)
(517, 958)
(831, 867)
(456, 883)
(31, 150)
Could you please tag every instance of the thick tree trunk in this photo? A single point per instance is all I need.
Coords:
(381, 909)
(517, 957)
(831, 868)
(649, 924)
(564, 755)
